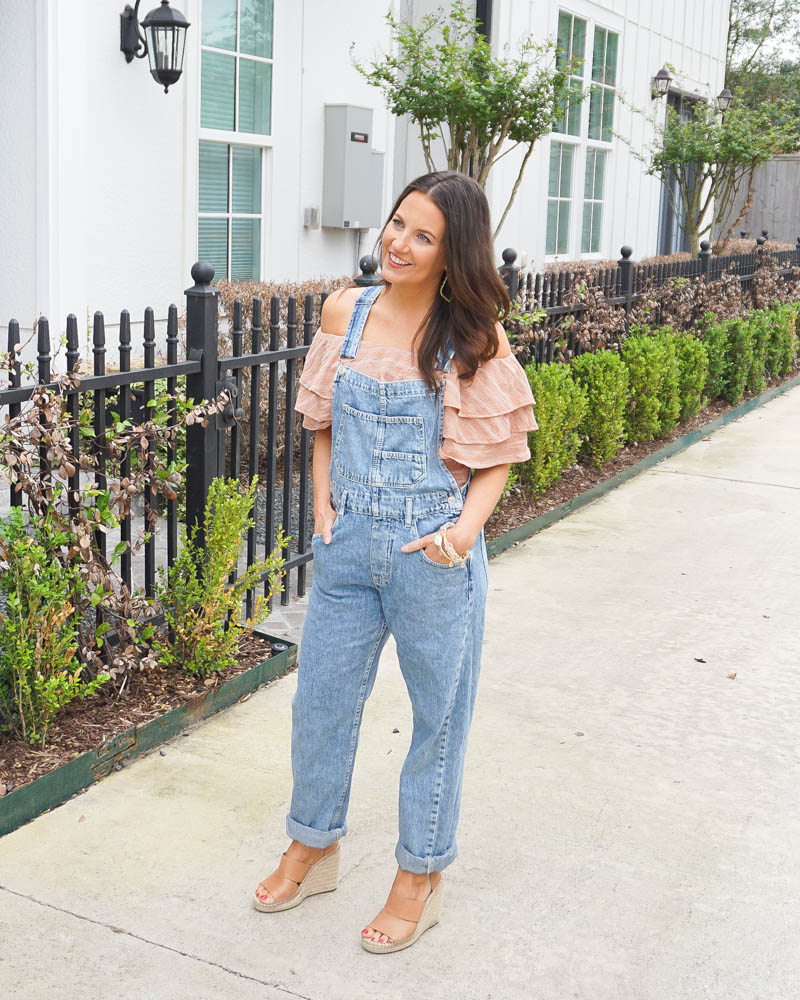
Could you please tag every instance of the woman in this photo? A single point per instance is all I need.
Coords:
(398, 544)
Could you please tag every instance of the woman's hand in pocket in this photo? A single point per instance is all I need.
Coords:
(323, 522)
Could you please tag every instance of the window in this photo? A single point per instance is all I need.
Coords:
(235, 97)
(582, 145)
(604, 82)
(236, 68)
(559, 198)
(593, 200)
(571, 45)
(230, 210)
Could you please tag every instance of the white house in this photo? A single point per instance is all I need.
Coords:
(111, 188)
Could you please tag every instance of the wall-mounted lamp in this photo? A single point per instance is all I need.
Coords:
(724, 99)
(163, 40)
(661, 82)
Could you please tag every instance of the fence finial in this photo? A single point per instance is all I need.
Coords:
(203, 273)
(509, 272)
(368, 267)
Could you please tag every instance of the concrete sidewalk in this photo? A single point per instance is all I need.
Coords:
(631, 819)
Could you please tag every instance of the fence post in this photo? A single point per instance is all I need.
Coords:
(368, 267)
(626, 268)
(705, 259)
(509, 272)
(202, 443)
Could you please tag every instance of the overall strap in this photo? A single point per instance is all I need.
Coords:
(355, 327)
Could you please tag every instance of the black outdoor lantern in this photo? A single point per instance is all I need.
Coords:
(724, 99)
(661, 82)
(163, 40)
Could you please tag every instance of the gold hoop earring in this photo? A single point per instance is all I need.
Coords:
(441, 289)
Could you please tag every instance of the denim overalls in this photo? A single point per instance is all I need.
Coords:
(388, 486)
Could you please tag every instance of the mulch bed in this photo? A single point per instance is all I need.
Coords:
(83, 726)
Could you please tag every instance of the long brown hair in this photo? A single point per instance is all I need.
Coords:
(478, 297)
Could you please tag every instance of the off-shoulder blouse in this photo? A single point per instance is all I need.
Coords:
(486, 421)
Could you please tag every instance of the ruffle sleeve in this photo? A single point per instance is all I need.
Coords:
(316, 381)
(486, 421)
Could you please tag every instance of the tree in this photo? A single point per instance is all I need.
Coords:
(751, 23)
(711, 156)
(481, 107)
(755, 27)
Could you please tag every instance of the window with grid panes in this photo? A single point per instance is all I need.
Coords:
(604, 83)
(559, 198)
(571, 45)
(594, 187)
(236, 97)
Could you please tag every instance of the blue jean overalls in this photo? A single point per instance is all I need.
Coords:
(388, 486)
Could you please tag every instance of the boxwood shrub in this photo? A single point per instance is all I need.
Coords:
(604, 378)
(692, 356)
(560, 407)
(653, 403)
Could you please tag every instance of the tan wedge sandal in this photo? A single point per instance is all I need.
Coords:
(321, 876)
(424, 911)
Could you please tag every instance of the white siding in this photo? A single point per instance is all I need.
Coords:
(98, 207)
(688, 35)
(18, 161)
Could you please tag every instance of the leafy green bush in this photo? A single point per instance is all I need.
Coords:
(202, 609)
(560, 407)
(758, 326)
(644, 358)
(692, 357)
(39, 671)
(738, 360)
(604, 378)
(670, 408)
(781, 342)
(715, 340)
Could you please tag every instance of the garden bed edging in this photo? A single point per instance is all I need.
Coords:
(52, 789)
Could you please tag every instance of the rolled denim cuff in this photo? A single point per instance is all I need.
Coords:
(424, 866)
(312, 837)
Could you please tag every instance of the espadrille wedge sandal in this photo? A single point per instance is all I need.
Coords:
(424, 911)
(321, 876)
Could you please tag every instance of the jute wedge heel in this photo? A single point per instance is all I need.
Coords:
(322, 876)
(425, 912)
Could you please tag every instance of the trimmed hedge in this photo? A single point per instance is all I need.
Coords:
(693, 367)
(658, 378)
(560, 407)
(604, 378)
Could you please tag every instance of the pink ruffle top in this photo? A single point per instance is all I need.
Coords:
(486, 421)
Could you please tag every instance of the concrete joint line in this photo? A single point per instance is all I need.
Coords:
(725, 479)
(156, 944)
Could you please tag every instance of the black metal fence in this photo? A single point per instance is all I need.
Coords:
(553, 292)
(266, 368)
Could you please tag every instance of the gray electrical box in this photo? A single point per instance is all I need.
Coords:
(352, 185)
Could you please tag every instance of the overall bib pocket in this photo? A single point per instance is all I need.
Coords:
(379, 450)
